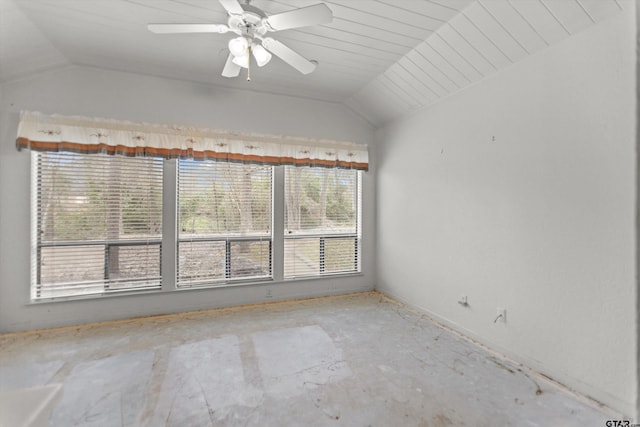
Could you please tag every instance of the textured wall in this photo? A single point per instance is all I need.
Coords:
(519, 192)
(100, 93)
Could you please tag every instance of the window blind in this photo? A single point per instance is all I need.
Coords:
(224, 222)
(98, 224)
(322, 221)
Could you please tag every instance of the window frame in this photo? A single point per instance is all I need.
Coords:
(108, 284)
(170, 238)
(323, 237)
(228, 240)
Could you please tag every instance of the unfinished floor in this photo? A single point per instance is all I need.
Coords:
(357, 360)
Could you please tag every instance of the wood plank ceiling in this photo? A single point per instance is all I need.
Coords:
(382, 58)
(485, 37)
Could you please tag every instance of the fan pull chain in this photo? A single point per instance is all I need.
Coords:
(249, 63)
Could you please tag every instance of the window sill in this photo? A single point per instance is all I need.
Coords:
(262, 282)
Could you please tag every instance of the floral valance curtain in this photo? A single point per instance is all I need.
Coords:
(43, 132)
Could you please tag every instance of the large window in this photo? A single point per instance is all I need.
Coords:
(98, 224)
(322, 221)
(224, 222)
(105, 224)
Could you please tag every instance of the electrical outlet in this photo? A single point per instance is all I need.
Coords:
(268, 295)
(501, 315)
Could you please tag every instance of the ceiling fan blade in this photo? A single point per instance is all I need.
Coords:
(232, 6)
(231, 69)
(303, 17)
(289, 56)
(187, 28)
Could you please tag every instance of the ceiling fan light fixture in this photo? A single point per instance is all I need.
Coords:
(242, 60)
(261, 54)
(238, 46)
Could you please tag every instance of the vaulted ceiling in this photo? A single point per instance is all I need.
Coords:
(381, 58)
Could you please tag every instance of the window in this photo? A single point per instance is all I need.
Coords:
(98, 224)
(322, 221)
(224, 222)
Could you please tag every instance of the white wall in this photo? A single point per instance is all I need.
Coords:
(108, 94)
(519, 192)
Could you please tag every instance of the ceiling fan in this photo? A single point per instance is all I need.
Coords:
(251, 24)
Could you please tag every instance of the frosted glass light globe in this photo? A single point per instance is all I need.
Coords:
(238, 46)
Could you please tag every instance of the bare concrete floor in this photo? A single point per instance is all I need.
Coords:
(359, 360)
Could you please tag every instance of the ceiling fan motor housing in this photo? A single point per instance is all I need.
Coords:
(251, 23)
